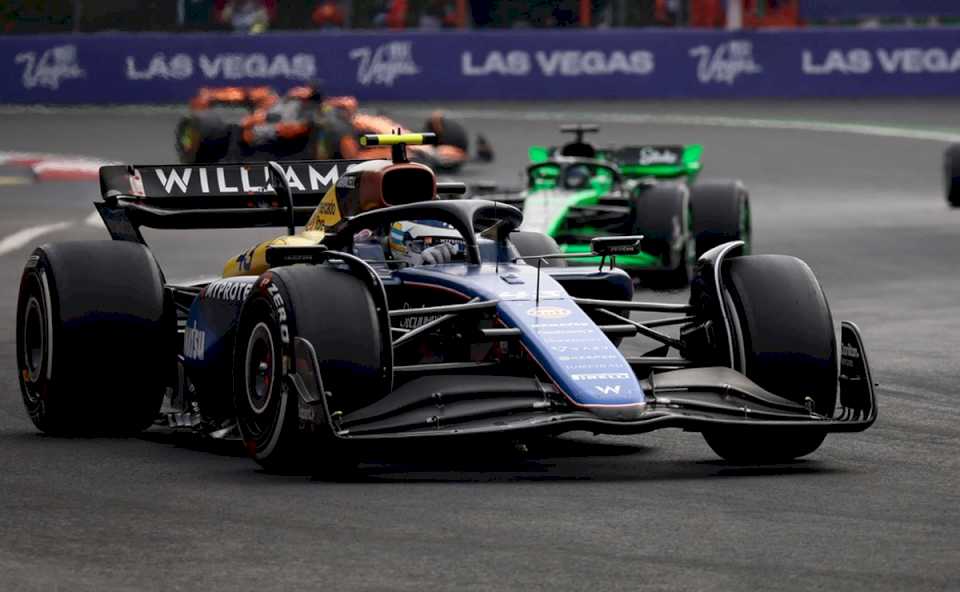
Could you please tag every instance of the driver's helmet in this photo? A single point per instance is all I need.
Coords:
(577, 177)
(408, 239)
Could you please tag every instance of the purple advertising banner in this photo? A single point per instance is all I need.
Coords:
(525, 65)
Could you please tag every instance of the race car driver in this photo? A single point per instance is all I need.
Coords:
(421, 242)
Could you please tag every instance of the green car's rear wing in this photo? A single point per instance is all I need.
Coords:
(662, 161)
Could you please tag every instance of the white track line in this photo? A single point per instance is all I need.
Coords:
(23, 237)
(861, 129)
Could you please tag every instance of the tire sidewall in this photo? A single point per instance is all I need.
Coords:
(35, 284)
(271, 436)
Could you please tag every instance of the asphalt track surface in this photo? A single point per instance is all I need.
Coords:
(873, 511)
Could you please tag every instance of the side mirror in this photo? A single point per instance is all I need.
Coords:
(606, 246)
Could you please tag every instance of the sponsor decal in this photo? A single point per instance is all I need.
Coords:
(229, 290)
(601, 376)
(281, 307)
(383, 64)
(529, 295)
(415, 321)
(900, 60)
(223, 66)
(194, 340)
(225, 180)
(49, 68)
(609, 389)
(548, 312)
(650, 155)
(724, 63)
(564, 63)
(136, 184)
(347, 182)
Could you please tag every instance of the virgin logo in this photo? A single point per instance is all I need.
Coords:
(49, 68)
(383, 64)
(725, 62)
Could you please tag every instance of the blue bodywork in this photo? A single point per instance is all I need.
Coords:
(567, 344)
(580, 359)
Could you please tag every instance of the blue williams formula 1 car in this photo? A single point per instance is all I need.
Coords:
(312, 342)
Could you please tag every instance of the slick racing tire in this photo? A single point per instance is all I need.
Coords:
(95, 345)
(721, 213)
(337, 313)
(203, 138)
(662, 215)
(951, 174)
(449, 132)
(530, 244)
(790, 350)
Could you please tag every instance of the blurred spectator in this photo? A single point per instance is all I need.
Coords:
(391, 14)
(438, 14)
(249, 16)
(328, 15)
(708, 14)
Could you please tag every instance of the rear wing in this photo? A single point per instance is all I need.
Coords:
(655, 160)
(213, 196)
(651, 160)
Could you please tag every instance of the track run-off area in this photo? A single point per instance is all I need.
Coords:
(853, 188)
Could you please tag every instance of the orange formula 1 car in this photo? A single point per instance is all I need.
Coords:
(237, 124)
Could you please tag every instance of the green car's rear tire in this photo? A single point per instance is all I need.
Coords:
(951, 175)
(721, 213)
(95, 345)
(790, 350)
(662, 215)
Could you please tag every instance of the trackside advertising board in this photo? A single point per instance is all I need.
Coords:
(609, 64)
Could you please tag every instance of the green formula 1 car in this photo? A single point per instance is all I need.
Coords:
(578, 191)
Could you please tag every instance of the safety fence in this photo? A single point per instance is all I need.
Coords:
(506, 65)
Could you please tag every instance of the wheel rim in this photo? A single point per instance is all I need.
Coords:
(34, 341)
(259, 368)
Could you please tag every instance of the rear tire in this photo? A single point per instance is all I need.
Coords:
(203, 138)
(355, 368)
(721, 213)
(95, 346)
(790, 349)
(662, 215)
(951, 175)
(449, 131)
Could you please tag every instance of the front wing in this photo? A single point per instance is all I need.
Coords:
(693, 399)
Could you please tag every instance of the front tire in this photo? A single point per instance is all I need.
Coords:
(95, 345)
(355, 362)
(790, 350)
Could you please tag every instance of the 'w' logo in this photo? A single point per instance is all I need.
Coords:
(608, 390)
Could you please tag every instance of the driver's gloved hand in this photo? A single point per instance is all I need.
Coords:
(442, 253)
